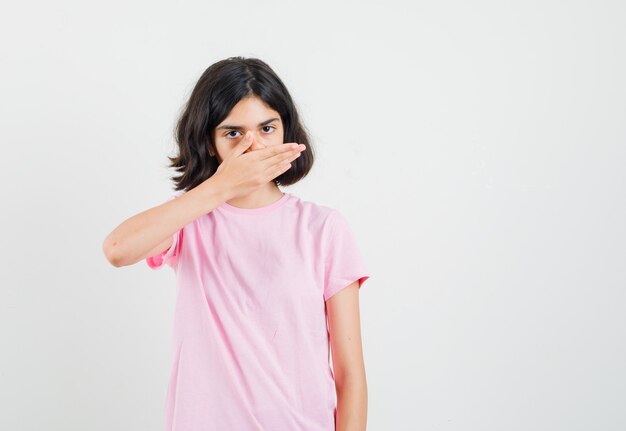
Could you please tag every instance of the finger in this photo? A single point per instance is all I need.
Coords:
(255, 147)
(279, 169)
(242, 146)
(282, 157)
(274, 150)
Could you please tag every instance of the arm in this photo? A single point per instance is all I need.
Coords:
(150, 231)
(348, 365)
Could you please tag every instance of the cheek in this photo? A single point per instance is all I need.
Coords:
(224, 146)
(276, 139)
(221, 152)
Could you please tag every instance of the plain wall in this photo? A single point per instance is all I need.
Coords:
(477, 149)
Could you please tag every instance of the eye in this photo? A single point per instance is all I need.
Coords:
(228, 135)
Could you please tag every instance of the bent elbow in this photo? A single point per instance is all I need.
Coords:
(111, 252)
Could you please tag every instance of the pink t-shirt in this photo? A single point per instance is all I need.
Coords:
(250, 344)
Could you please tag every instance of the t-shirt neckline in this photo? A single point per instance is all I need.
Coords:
(228, 207)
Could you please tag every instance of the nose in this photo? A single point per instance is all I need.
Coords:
(256, 145)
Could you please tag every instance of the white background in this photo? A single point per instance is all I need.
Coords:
(477, 149)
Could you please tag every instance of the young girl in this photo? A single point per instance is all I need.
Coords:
(267, 283)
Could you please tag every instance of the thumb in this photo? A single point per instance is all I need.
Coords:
(243, 145)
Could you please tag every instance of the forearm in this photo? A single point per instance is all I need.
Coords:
(137, 235)
(351, 403)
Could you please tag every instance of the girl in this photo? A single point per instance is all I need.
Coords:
(267, 283)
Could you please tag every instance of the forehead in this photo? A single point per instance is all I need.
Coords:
(249, 112)
(252, 109)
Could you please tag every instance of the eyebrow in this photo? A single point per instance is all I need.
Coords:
(263, 123)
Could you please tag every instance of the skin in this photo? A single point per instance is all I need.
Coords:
(248, 113)
(342, 309)
(343, 315)
(150, 231)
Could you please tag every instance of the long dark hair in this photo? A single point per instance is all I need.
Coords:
(219, 89)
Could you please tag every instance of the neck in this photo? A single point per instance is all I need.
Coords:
(263, 196)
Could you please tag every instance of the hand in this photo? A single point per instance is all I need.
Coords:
(244, 171)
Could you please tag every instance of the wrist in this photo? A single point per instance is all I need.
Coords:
(216, 187)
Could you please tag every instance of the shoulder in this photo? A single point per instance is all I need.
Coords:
(326, 218)
(313, 209)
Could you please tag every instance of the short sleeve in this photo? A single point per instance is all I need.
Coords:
(344, 263)
(169, 256)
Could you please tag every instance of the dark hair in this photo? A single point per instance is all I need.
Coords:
(219, 89)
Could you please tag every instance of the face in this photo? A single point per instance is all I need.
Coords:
(252, 115)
